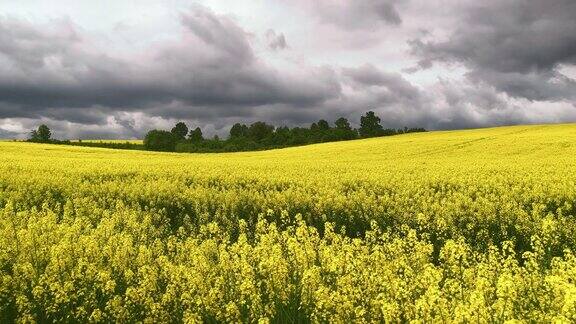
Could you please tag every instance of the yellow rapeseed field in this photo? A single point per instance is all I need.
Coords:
(452, 226)
(109, 141)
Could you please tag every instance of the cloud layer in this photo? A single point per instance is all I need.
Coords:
(516, 46)
(212, 64)
(215, 68)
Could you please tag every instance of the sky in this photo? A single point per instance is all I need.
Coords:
(118, 68)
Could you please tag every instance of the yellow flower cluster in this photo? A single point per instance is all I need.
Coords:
(470, 226)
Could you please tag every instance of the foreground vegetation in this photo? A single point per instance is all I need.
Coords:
(464, 226)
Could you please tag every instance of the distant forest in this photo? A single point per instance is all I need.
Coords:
(257, 136)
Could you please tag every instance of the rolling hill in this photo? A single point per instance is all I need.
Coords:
(469, 225)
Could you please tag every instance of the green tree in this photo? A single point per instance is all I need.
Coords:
(314, 127)
(195, 135)
(260, 131)
(323, 125)
(42, 134)
(342, 124)
(343, 129)
(34, 136)
(160, 140)
(238, 130)
(370, 125)
(180, 131)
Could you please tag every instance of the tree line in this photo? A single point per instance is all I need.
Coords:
(43, 135)
(261, 136)
(256, 136)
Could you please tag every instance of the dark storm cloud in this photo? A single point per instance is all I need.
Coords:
(44, 67)
(397, 101)
(394, 83)
(444, 105)
(220, 34)
(357, 14)
(213, 73)
(516, 46)
(56, 73)
(534, 86)
(26, 45)
(4, 134)
(366, 75)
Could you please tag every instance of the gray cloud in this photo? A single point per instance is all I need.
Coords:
(56, 74)
(210, 70)
(447, 104)
(4, 134)
(368, 75)
(534, 86)
(357, 14)
(397, 100)
(516, 46)
(276, 41)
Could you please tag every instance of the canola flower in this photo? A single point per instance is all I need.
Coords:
(459, 226)
(109, 141)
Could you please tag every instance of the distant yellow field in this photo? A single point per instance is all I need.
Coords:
(131, 141)
(465, 226)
